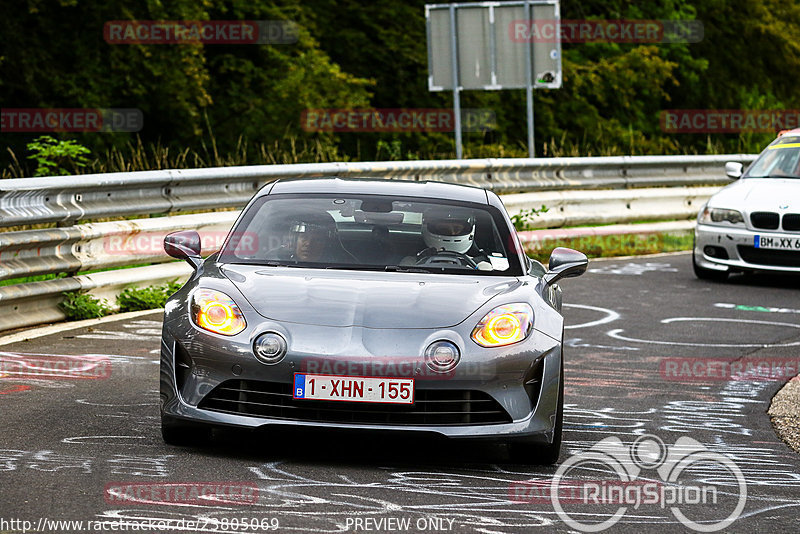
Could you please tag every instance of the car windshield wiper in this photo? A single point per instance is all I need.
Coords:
(776, 176)
(399, 269)
(351, 267)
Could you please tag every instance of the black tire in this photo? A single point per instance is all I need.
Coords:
(537, 454)
(182, 435)
(708, 274)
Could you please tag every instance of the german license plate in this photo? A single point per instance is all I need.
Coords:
(777, 243)
(354, 388)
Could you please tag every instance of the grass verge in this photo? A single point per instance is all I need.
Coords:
(607, 246)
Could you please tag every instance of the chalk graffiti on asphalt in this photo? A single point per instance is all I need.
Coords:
(50, 461)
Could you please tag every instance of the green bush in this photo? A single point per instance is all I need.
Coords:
(146, 298)
(54, 157)
(77, 306)
(522, 220)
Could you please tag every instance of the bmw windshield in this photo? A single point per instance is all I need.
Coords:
(781, 159)
(373, 233)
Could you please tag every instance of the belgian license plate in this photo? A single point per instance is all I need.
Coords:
(777, 243)
(354, 388)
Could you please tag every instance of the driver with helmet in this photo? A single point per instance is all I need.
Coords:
(450, 236)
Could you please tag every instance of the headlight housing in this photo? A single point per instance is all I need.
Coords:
(719, 215)
(216, 312)
(504, 325)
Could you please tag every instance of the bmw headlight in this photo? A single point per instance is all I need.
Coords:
(504, 325)
(216, 312)
(719, 215)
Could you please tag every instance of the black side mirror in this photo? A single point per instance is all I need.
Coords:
(184, 245)
(565, 263)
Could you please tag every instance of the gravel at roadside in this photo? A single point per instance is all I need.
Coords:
(784, 412)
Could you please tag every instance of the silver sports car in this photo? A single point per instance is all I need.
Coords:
(369, 304)
(753, 224)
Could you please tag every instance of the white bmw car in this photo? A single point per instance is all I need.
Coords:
(753, 224)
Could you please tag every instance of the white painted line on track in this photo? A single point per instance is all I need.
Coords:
(63, 327)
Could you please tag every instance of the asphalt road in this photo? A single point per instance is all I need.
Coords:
(644, 335)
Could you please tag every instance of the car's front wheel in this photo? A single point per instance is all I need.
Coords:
(174, 433)
(527, 453)
(708, 274)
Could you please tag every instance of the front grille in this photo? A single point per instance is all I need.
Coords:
(431, 406)
(765, 220)
(765, 256)
(791, 222)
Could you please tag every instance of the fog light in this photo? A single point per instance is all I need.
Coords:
(270, 347)
(715, 252)
(442, 356)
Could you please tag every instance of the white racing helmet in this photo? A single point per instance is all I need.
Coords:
(448, 229)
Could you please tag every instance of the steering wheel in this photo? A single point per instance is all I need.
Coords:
(445, 258)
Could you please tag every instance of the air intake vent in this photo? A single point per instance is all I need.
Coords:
(431, 406)
(765, 256)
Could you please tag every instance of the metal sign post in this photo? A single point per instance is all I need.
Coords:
(478, 46)
(529, 85)
(456, 85)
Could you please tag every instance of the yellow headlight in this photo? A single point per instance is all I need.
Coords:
(504, 325)
(217, 312)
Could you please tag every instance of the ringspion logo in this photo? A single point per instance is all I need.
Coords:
(632, 483)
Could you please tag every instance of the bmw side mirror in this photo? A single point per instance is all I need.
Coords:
(734, 169)
(565, 263)
(184, 245)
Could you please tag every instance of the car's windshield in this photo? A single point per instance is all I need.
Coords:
(781, 159)
(373, 233)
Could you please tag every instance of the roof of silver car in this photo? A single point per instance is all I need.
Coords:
(372, 186)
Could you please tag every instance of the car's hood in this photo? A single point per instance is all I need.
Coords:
(364, 298)
(760, 194)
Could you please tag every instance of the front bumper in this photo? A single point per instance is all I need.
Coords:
(733, 250)
(500, 373)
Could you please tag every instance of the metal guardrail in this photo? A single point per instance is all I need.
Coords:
(102, 245)
(67, 199)
(570, 187)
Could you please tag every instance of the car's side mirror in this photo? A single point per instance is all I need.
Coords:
(565, 263)
(734, 169)
(184, 245)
